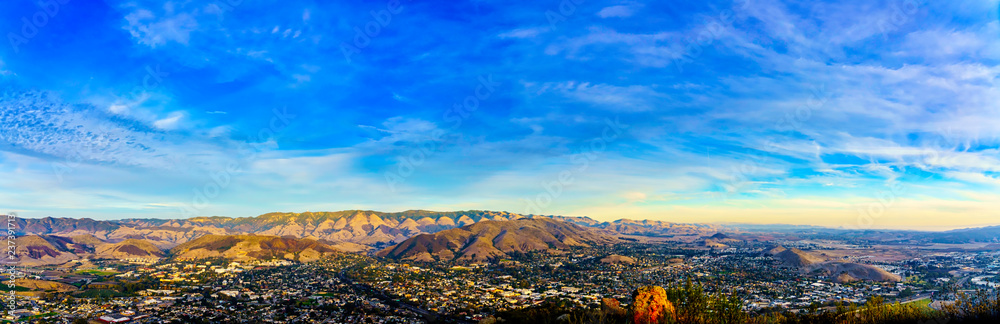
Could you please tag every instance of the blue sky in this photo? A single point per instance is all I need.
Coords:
(866, 114)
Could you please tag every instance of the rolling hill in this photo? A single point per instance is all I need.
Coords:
(965, 235)
(843, 272)
(48, 249)
(840, 271)
(797, 258)
(34, 250)
(490, 240)
(252, 247)
(129, 249)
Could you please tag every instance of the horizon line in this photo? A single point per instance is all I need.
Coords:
(729, 223)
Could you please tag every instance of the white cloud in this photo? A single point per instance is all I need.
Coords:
(301, 78)
(170, 122)
(522, 33)
(634, 196)
(621, 11)
(118, 108)
(975, 177)
(154, 31)
(940, 44)
(629, 98)
(401, 129)
(39, 125)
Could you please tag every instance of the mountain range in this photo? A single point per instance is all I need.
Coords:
(59, 240)
(368, 228)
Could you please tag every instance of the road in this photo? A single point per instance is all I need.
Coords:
(916, 298)
(910, 300)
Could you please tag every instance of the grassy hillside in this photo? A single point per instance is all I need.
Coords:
(252, 247)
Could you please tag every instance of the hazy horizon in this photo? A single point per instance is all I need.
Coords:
(836, 114)
(600, 219)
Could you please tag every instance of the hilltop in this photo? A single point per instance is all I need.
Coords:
(796, 258)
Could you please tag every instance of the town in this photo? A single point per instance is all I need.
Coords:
(350, 287)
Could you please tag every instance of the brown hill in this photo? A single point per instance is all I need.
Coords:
(47, 250)
(720, 236)
(618, 259)
(489, 240)
(252, 247)
(797, 258)
(87, 239)
(847, 272)
(129, 249)
(710, 243)
(44, 285)
(844, 278)
(808, 263)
